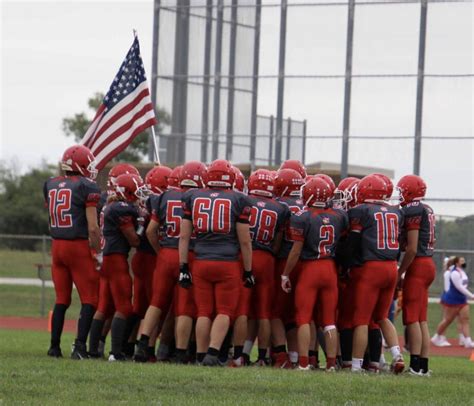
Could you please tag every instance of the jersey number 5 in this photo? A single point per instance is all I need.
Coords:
(387, 230)
(59, 205)
(212, 215)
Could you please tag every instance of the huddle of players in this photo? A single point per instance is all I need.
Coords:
(294, 256)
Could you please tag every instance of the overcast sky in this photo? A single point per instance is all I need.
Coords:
(54, 55)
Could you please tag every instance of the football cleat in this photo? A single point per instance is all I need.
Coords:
(306, 368)
(412, 372)
(210, 361)
(79, 351)
(262, 363)
(427, 374)
(55, 352)
(398, 365)
(237, 363)
(117, 357)
(440, 341)
(282, 361)
(141, 353)
(330, 369)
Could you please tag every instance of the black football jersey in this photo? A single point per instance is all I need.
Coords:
(167, 211)
(214, 214)
(267, 218)
(67, 198)
(320, 229)
(118, 215)
(380, 226)
(419, 216)
(295, 205)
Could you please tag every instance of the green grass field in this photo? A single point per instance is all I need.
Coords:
(27, 376)
(20, 264)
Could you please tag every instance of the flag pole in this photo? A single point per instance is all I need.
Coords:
(155, 146)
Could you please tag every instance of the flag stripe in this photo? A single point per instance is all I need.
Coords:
(119, 110)
(124, 141)
(120, 126)
(95, 122)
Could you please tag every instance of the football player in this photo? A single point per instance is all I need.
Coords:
(419, 268)
(71, 200)
(315, 233)
(105, 309)
(219, 217)
(267, 220)
(296, 166)
(288, 184)
(166, 219)
(374, 235)
(122, 231)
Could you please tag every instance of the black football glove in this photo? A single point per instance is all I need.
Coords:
(185, 278)
(248, 278)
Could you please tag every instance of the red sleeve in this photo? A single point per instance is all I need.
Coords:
(412, 223)
(244, 215)
(92, 199)
(355, 225)
(296, 234)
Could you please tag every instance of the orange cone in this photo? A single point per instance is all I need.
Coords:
(472, 356)
(50, 321)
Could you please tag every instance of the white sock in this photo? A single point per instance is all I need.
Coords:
(293, 356)
(462, 338)
(395, 351)
(357, 364)
(382, 360)
(248, 345)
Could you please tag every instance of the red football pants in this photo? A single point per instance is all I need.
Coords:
(165, 278)
(418, 278)
(216, 287)
(184, 304)
(374, 286)
(143, 265)
(284, 303)
(316, 286)
(72, 262)
(106, 303)
(115, 269)
(257, 302)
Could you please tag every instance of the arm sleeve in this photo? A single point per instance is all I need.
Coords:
(457, 282)
(243, 210)
(412, 215)
(297, 227)
(153, 205)
(186, 202)
(355, 220)
(91, 193)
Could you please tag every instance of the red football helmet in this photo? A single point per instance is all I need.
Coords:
(220, 174)
(118, 170)
(193, 174)
(261, 183)
(156, 179)
(79, 158)
(239, 183)
(130, 187)
(295, 165)
(342, 194)
(288, 182)
(387, 181)
(316, 192)
(372, 188)
(175, 176)
(274, 174)
(328, 180)
(351, 199)
(411, 188)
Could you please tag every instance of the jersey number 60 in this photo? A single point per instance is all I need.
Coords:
(212, 216)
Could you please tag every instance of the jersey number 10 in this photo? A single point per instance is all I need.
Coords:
(387, 230)
(59, 205)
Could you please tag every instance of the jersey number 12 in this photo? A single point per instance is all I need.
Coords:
(59, 205)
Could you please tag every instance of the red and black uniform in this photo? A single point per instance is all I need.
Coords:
(283, 304)
(67, 198)
(217, 278)
(378, 225)
(143, 264)
(167, 211)
(267, 218)
(320, 229)
(422, 271)
(118, 216)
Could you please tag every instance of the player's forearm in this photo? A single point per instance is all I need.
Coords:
(246, 250)
(292, 260)
(184, 238)
(94, 238)
(408, 258)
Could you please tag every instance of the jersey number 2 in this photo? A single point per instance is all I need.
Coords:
(59, 205)
(387, 230)
(326, 235)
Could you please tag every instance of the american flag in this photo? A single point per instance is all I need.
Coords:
(125, 112)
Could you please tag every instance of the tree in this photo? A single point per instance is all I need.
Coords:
(22, 204)
(77, 125)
